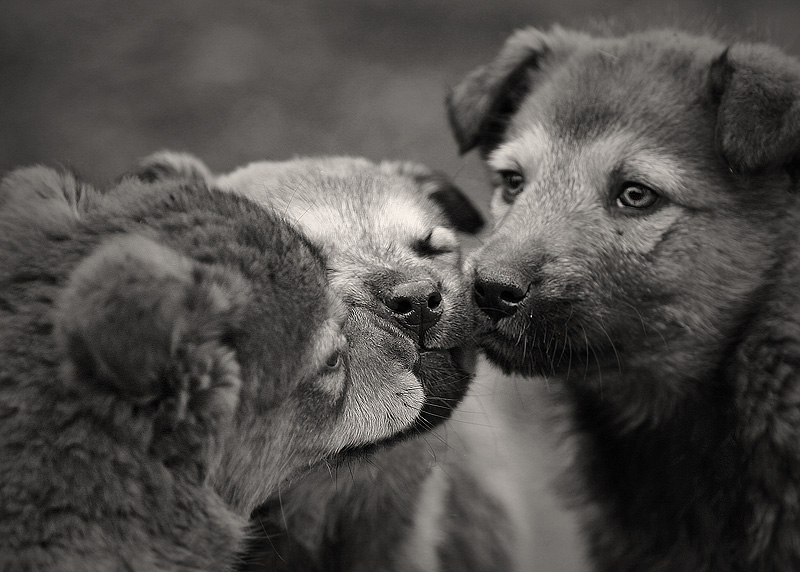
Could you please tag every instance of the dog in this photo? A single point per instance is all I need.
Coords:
(388, 230)
(645, 254)
(170, 355)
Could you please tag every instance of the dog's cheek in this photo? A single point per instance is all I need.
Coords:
(498, 207)
(641, 235)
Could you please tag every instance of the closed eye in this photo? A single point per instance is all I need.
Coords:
(440, 240)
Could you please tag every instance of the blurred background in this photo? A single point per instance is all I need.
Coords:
(96, 84)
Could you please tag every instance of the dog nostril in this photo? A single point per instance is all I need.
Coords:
(498, 293)
(417, 306)
(512, 295)
(399, 305)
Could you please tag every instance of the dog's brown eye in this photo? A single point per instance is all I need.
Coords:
(636, 197)
(512, 183)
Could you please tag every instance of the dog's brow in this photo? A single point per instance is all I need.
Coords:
(522, 152)
(659, 169)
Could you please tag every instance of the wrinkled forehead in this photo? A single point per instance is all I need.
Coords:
(341, 202)
(372, 203)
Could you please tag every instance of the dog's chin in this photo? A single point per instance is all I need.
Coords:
(445, 375)
(514, 357)
(543, 345)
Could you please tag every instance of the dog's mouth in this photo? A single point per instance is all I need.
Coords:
(550, 339)
(445, 375)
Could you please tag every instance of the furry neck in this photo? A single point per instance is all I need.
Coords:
(712, 484)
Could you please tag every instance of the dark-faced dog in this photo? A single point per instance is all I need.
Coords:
(645, 253)
(170, 354)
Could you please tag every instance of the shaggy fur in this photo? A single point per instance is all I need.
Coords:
(416, 506)
(645, 253)
(169, 355)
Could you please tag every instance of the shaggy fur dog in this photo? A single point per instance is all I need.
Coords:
(388, 232)
(169, 354)
(645, 252)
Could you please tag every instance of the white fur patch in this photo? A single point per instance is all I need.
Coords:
(443, 238)
(426, 534)
(361, 424)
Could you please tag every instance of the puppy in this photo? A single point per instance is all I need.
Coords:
(388, 231)
(169, 355)
(645, 253)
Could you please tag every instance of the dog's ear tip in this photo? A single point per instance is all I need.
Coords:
(458, 124)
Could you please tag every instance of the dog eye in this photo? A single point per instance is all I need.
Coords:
(334, 361)
(438, 241)
(512, 183)
(636, 196)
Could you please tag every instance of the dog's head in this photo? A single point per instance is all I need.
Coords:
(640, 192)
(201, 326)
(388, 233)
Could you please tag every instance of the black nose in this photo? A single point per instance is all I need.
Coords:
(499, 292)
(416, 306)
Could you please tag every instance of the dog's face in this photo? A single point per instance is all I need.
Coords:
(392, 257)
(636, 194)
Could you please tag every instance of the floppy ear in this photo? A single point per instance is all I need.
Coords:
(480, 106)
(141, 324)
(457, 207)
(165, 165)
(758, 120)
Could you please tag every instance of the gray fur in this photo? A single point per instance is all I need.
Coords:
(674, 330)
(158, 347)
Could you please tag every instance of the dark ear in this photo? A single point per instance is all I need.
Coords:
(480, 106)
(758, 120)
(140, 323)
(456, 206)
(165, 165)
